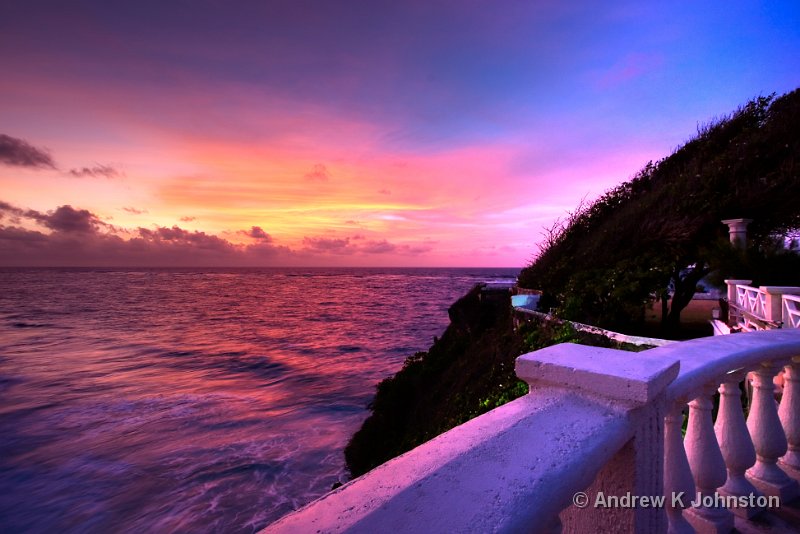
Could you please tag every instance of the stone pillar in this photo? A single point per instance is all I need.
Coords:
(788, 414)
(636, 385)
(770, 443)
(737, 229)
(677, 473)
(735, 444)
(708, 465)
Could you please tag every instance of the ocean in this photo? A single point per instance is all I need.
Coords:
(205, 400)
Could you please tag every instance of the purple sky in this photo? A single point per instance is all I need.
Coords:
(351, 133)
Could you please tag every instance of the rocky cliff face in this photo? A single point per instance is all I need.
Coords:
(469, 371)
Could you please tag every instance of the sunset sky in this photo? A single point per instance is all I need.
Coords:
(365, 133)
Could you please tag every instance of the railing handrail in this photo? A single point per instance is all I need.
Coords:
(750, 288)
(484, 475)
(707, 360)
(753, 318)
(517, 467)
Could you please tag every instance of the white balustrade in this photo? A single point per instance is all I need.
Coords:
(764, 307)
(735, 444)
(591, 423)
(730, 447)
(678, 478)
(707, 463)
(752, 300)
(791, 311)
(768, 438)
(789, 414)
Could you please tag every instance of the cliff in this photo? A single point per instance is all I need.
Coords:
(467, 372)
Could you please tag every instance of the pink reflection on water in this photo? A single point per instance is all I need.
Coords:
(202, 401)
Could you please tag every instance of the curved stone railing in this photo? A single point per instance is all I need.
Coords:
(604, 422)
(516, 468)
(481, 476)
(733, 458)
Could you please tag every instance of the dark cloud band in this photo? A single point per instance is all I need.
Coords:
(20, 153)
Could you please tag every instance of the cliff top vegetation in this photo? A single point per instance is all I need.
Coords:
(657, 235)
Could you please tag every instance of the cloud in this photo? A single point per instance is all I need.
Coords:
(19, 153)
(318, 174)
(384, 192)
(134, 211)
(256, 232)
(62, 219)
(188, 219)
(328, 245)
(68, 219)
(8, 208)
(357, 244)
(22, 236)
(79, 238)
(186, 239)
(71, 236)
(378, 247)
(98, 171)
(415, 249)
(264, 250)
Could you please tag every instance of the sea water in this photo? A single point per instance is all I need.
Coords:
(195, 400)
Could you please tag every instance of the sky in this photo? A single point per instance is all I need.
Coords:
(350, 133)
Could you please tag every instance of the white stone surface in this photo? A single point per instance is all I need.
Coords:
(591, 410)
(789, 413)
(616, 336)
(735, 444)
(720, 328)
(737, 230)
(509, 470)
(769, 439)
(612, 373)
(732, 288)
(677, 473)
(709, 359)
(707, 464)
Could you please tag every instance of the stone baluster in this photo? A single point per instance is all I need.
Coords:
(708, 466)
(678, 481)
(735, 444)
(789, 414)
(768, 438)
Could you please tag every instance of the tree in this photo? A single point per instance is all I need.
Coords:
(659, 233)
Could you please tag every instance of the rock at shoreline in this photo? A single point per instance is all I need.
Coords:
(469, 371)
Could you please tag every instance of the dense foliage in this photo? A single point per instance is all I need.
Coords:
(467, 372)
(659, 234)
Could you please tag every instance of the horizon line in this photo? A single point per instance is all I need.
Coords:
(250, 267)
